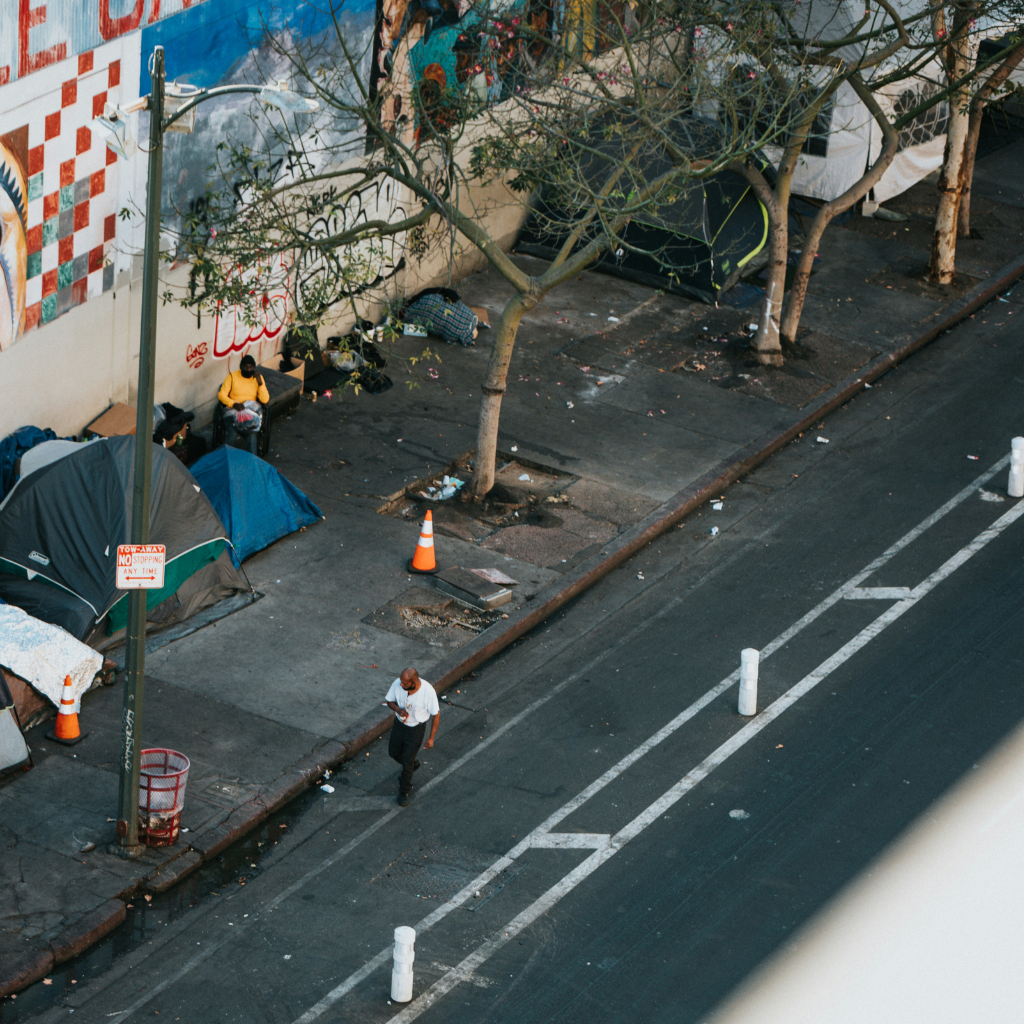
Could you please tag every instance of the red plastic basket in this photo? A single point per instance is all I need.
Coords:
(163, 775)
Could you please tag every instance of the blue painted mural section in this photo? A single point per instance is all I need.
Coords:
(204, 44)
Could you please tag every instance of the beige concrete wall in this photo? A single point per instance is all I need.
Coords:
(67, 372)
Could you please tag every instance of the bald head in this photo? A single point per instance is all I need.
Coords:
(410, 679)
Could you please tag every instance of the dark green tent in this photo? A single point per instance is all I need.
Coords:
(698, 237)
(61, 525)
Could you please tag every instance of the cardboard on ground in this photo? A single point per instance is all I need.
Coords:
(118, 419)
(140, 566)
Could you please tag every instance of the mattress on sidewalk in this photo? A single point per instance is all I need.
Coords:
(44, 655)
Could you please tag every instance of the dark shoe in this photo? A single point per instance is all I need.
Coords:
(404, 799)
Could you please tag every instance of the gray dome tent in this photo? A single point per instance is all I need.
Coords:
(61, 525)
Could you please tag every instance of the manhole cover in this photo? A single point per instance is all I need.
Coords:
(440, 872)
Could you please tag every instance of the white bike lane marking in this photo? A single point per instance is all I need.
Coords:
(211, 948)
(847, 590)
(652, 813)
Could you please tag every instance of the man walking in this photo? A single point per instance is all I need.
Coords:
(413, 701)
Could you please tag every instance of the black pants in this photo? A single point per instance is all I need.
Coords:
(405, 741)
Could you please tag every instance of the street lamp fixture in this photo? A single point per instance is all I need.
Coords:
(171, 108)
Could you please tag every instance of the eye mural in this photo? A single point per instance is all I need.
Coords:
(13, 233)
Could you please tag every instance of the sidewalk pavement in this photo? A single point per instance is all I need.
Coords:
(623, 427)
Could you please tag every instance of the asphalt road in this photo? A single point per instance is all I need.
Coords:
(638, 847)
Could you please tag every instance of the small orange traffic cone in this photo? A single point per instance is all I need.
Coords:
(423, 557)
(66, 730)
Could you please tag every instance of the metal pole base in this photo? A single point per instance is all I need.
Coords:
(127, 852)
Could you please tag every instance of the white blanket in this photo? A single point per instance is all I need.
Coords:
(45, 654)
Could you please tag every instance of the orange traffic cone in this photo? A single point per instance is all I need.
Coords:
(66, 730)
(423, 557)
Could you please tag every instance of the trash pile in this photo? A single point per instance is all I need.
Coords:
(448, 487)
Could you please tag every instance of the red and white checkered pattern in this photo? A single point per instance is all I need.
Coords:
(72, 209)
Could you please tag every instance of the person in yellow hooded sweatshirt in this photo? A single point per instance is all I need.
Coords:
(242, 394)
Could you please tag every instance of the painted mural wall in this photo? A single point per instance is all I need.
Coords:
(69, 261)
(59, 199)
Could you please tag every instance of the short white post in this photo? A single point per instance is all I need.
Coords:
(1015, 488)
(749, 659)
(401, 969)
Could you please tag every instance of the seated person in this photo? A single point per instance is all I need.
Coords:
(242, 394)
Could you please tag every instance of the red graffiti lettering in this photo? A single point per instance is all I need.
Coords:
(231, 333)
(30, 17)
(194, 354)
(111, 28)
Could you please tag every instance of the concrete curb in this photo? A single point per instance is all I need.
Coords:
(299, 776)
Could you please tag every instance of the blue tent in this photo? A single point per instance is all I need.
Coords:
(253, 500)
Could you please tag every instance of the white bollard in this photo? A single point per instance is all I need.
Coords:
(749, 659)
(1015, 488)
(401, 969)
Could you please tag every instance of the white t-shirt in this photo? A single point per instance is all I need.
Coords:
(421, 705)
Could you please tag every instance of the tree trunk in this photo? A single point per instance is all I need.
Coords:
(981, 98)
(951, 182)
(493, 389)
(951, 178)
(967, 175)
(825, 215)
(766, 345)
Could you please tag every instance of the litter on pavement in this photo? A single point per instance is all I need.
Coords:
(714, 531)
(450, 485)
(717, 506)
(822, 440)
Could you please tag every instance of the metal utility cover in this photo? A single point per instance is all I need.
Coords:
(470, 589)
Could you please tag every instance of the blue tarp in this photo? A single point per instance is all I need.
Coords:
(253, 500)
(13, 446)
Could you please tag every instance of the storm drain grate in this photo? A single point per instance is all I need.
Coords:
(440, 872)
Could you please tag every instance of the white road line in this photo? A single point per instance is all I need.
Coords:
(337, 993)
(667, 730)
(655, 811)
(877, 593)
(570, 841)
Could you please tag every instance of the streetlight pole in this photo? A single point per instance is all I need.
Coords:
(135, 660)
(275, 95)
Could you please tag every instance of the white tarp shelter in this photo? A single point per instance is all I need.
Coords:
(845, 139)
